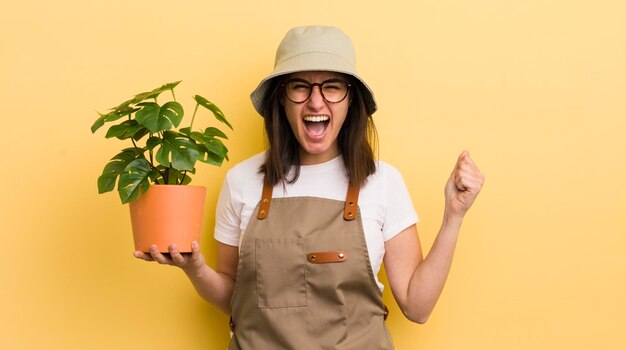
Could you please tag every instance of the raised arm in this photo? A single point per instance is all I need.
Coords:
(415, 282)
(215, 286)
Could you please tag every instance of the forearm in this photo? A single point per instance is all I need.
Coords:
(212, 286)
(417, 283)
(429, 277)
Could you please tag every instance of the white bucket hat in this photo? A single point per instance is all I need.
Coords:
(313, 48)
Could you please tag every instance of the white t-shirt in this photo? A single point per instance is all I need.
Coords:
(386, 207)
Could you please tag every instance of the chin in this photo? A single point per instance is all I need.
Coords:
(316, 150)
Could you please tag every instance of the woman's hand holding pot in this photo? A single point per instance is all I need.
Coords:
(189, 262)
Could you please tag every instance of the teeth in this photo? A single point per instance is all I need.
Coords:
(316, 118)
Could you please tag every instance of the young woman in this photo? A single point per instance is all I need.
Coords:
(304, 227)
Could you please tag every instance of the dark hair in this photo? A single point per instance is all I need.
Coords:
(357, 139)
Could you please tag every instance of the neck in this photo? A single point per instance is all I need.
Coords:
(312, 159)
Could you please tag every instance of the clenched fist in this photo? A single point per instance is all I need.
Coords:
(463, 186)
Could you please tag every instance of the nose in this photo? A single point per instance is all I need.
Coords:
(316, 100)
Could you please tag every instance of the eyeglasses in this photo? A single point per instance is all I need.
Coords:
(332, 90)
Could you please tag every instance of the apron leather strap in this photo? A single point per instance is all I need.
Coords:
(266, 200)
(349, 210)
(352, 198)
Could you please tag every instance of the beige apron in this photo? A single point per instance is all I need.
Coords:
(304, 279)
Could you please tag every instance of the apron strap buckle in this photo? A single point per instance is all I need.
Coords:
(352, 198)
(266, 200)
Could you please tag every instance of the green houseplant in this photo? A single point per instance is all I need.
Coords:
(160, 156)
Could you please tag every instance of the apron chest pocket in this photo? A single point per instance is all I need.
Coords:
(280, 272)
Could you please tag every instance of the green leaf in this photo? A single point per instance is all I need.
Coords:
(110, 117)
(161, 170)
(154, 175)
(98, 123)
(155, 92)
(140, 134)
(210, 157)
(106, 181)
(213, 151)
(213, 145)
(113, 116)
(211, 131)
(159, 118)
(172, 111)
(148, 115)
(144, 96)
(153, 142)
(185, 131)
(123, 106)
(219, 115)
(170, 86)
(176, 149)
(124, 130)
(123, 111)
(186, 180)
(134, 180)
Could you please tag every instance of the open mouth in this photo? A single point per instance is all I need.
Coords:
(315, 125)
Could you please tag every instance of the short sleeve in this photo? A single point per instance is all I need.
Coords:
(227, 220)
(399, 211)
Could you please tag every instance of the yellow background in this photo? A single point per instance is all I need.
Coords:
(535, 90)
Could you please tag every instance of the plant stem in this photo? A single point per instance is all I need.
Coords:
(132, 140)
(134, 144)
(173, 94)
(194, 116)
(151, 160)
(151, 156)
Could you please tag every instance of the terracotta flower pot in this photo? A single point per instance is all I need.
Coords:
(168, 214)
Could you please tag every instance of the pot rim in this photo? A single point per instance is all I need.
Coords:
(171, 185)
